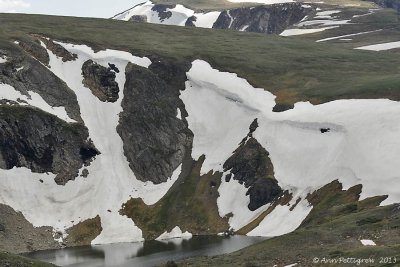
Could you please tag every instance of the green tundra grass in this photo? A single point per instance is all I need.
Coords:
(293, 69)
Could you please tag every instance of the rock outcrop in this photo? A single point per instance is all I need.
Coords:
(43, 143)
(19, 235)
(250, 165)
(155, 140)
(101, 81)
(162, 11)
(33, 76)
(395, 4)
(272, 19)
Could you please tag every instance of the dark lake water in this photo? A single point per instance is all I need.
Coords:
(144, 254)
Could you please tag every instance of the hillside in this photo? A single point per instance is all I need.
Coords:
(316, 69)
(119, 132)
(333, 241)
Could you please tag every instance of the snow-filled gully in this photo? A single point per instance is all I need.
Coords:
(362, 147)
(110, 182)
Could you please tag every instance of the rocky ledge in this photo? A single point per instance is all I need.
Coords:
(43, 143)
(101, 81)
(250, 165)
(155, 138)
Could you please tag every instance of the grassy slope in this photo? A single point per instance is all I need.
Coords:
(386, 20)
(332, 230)
(291, 68)
(9, 260)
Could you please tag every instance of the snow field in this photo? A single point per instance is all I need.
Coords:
(360, 147)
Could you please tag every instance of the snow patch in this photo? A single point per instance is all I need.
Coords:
(367, 242)
(206, 20)
(175, 233)
(3, 59)
(33, 99)
(178, 115)
(282, 220)
(380, 47)
(327, 13)
(323, 22)
(291, 32)
(233, 201)
(347, 35)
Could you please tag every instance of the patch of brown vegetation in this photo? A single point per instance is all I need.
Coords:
(189, 204)
(84, 232)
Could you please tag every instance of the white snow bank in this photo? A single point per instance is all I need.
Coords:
(291, 265)
(380, 47)
(233, 200)
(206, 20)
(34, 99)
(367, 242)
(220, 112)
(291, 32)
(347, 35)
(175, 233)
(328, 12)
(323, 22)
(110, 183)
(281, 220)
(3, 59)
(361, 146)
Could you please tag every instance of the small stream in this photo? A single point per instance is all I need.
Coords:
(146, 254)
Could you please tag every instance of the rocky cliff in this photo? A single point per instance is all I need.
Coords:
(155, 135)
(270, 19)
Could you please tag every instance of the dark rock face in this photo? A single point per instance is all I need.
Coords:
(395, 4)
(37, 78)
(263, 19)
(43, 143)
(250, 165)
(101, 81)
(163, 14)
(190, 21)
(138, 18)
(155, 140)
